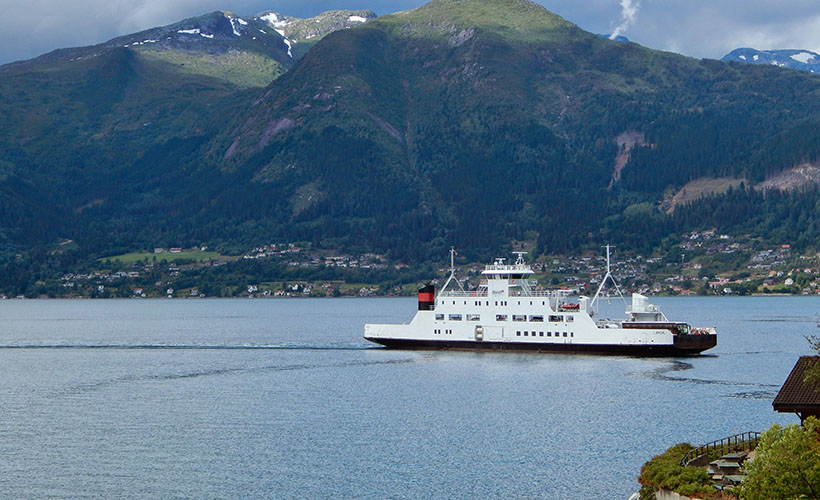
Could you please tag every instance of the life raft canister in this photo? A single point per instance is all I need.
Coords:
(427, 297)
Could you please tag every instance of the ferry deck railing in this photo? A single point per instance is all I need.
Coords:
(512, 293)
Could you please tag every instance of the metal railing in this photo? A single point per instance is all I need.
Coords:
(745, 441)
(456, 293)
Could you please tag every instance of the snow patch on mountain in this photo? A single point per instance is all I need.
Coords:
(274, 19)
(803, 60)
(233, 25)
(803, 57)
(195, 31)
(298, 30)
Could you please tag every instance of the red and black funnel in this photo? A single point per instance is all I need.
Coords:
(427, 297)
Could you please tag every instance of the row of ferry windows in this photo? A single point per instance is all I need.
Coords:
(497, 302)
(535, 318)
(527, 333)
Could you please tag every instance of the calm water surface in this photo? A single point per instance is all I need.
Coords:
(283, 399)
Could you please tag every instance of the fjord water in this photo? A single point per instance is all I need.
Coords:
(282, 398)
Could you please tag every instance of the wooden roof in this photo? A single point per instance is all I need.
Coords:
(796, 395)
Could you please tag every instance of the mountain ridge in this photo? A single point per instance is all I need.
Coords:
(466, 123)
(803, 60)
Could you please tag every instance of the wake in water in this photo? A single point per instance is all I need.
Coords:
(93, 386)
(781, 319)
(297, 347)
(763, 395)
(672, 366)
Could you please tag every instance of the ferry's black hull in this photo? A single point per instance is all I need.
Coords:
(685, 345)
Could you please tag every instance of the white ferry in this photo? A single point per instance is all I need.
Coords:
(507, 312)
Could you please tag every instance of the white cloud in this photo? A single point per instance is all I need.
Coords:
(629, 12)
(703, 28)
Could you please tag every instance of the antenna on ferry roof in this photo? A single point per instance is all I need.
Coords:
(452, 276)
(608, 276)
(519, 257)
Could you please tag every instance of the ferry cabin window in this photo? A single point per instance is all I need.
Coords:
(556, 319)
(540, 334)
(455, 317)
(501, 317)
(537, 318)
(570, 319)
(549, 334)
(525, 333)
(519, 317)
(565, 334)
(439, 317)
(473, 317)
(518, 333)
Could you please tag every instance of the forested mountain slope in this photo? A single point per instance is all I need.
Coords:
(463, 122)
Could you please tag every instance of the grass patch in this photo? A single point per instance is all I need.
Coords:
(130, 258)
(665, 471)
(518, 19)
(243, 69)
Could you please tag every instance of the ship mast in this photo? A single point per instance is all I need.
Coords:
(452, 276)
(519, 264)
(608, 276)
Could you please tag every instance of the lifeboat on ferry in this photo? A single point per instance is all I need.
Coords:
(570, 307)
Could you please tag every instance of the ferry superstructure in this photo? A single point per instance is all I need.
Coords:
(508, 312)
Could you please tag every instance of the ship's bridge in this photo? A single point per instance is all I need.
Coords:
(500, 270)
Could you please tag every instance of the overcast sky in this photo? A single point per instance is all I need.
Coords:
(698, 28)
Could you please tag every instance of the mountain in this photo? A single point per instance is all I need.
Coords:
(804, 60)
(302, 34)
(76, 120)
(243, 52)
(475, 123)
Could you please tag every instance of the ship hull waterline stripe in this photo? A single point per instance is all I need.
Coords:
(684, 349)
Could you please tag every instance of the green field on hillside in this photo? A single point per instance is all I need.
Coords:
(130, 258)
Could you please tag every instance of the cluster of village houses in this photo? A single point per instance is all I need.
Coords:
(682, 271)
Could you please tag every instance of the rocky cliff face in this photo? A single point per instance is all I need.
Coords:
(300, 34)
